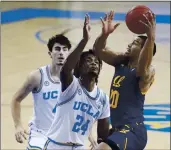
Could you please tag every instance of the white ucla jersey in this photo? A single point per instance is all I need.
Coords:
(76, 113)
(45, 100)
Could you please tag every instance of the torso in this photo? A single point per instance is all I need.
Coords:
(76, 113)
(126, 99)
(45, 99)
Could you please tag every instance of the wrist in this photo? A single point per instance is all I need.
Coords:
(18, 125)
(85, 39)
(104, 36)
(151, 38)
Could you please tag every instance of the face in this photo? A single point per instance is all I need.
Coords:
(59, 54)
(91, 65)
(135, 47)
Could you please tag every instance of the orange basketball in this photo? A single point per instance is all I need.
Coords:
(134, 16)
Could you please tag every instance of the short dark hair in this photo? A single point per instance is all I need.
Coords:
(145, 38)
(59, 38)
(81, 61)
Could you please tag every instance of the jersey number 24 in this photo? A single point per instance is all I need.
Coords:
(80, 125)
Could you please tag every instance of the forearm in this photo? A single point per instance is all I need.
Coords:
(100, 44)
(102, 129)
(74, 56)
(16, 110)
(146, 56)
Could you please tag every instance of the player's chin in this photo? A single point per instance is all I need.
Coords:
(94, 73)
(60, 64)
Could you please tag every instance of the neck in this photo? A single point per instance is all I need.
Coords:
(55, 70)
(132, 64)
(88, 82)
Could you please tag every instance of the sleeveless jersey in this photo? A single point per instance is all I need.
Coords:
(76, 112)
(45, 100)
(126, 99)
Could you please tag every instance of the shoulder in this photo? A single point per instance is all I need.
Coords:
(104, 97)
(34, 77)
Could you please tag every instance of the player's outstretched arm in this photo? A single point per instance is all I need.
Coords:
(30, 84)
(107, 55)
(66, 72)
(144, 69)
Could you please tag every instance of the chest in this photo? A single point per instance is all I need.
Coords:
(124, 78)
(49, 92)
(84, 105)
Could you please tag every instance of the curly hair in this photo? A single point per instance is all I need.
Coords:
(81, 61)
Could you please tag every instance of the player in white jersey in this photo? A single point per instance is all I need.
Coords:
(44, 84)
(81, 102)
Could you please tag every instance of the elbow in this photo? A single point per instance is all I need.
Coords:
(15, 102)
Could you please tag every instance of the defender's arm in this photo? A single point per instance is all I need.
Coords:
(66, 72)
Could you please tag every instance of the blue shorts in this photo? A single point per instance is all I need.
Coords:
(128, 137)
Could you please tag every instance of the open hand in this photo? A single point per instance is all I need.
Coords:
(86, 28)
(150, 25)
(107, 26)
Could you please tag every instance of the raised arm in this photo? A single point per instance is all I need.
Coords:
(110, 57)
(66, 72)
(144, 69)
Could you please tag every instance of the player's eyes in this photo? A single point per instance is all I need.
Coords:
(65, 48)
(88, 60)
(57, 48)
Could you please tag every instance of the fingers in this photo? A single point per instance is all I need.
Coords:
(102, 20)
(23, 135)
(144, 23)
(106, 17)
(19, 138)
(147, 20)
(111, 15)
(87, 22)
(153, 16)
(116, 25)
(87, 19)
(26, 132)
(150, 22)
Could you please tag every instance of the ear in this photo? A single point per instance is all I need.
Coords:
(49, 52)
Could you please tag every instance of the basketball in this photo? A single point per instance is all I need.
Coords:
(133, 17)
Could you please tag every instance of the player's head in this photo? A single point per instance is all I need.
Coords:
(89, 64)
(135, 47)
(59, 47)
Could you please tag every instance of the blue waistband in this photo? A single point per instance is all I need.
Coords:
(65, 144)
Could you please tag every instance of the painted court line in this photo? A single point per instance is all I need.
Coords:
(30, 13)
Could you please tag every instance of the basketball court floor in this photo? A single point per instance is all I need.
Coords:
(23, 48)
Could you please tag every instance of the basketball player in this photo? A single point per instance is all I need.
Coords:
(44, 84)
(132, 79)
(81, 102)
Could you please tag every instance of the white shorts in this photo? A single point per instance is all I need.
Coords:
(36, 140)
(57, 146)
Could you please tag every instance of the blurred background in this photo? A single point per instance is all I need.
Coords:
(25, 30)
